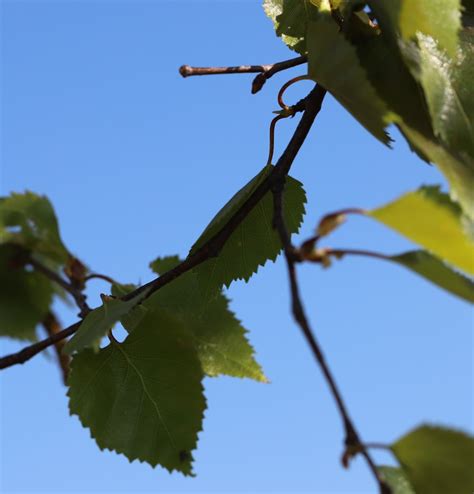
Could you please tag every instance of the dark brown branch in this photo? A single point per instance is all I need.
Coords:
(262, 78)
(75, 292)
(30, 351)
(352, 440)
(213, 246)
(265, 71)
(52, 327)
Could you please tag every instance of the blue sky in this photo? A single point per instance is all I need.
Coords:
(136, 161)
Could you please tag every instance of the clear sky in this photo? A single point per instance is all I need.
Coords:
(136, 161)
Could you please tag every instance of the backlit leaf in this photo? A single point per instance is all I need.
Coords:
(405, 19)
(333, 62)
(434, 270)
(437, 460)
(100, 321)
(254, 241)
(396, 479)
(449, 92)
(459, 176)
(439, 19)
(219, 337)
(29, 220)
(431, 219)
(143, 397)
(289, 19)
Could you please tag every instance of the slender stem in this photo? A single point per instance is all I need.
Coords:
(271, 145)
(262, 78)
(352, 437)
(264, 71)
(377, 446)
(100, 277)
(52, 275)
(52, 327)
(344, 211)
(286, 86)
(355, 252)
(78, 296)
(213, 246)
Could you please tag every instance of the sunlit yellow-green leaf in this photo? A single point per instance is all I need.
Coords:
(431, 219)
(289, 18)
(405, 19)
(440, 19)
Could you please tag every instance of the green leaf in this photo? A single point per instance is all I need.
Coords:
(439, 19)
(163, 264)
(100, 321)
(431, 219)
(395, 85)
(405, 19)
(219, 337)
(396, 479)
(333, 62)
(131, 319)
(449, 92)
(459, 176)
(442, 86)
(437, 460)
(143, 397)
(29, 220)
(289, 19)
(254, 241)
(434, 270)
(25, 296)
(447, 83)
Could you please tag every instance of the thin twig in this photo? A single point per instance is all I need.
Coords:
(271, 140)
(355, 252)
(100, 277)
(78, 296)
(287, 111)
(265, 71)
(321, 255)
(30, 351)
(52, 327)
(385, 447)
(286, 86)
(213, 246)
(352, 439)
(262, 78)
